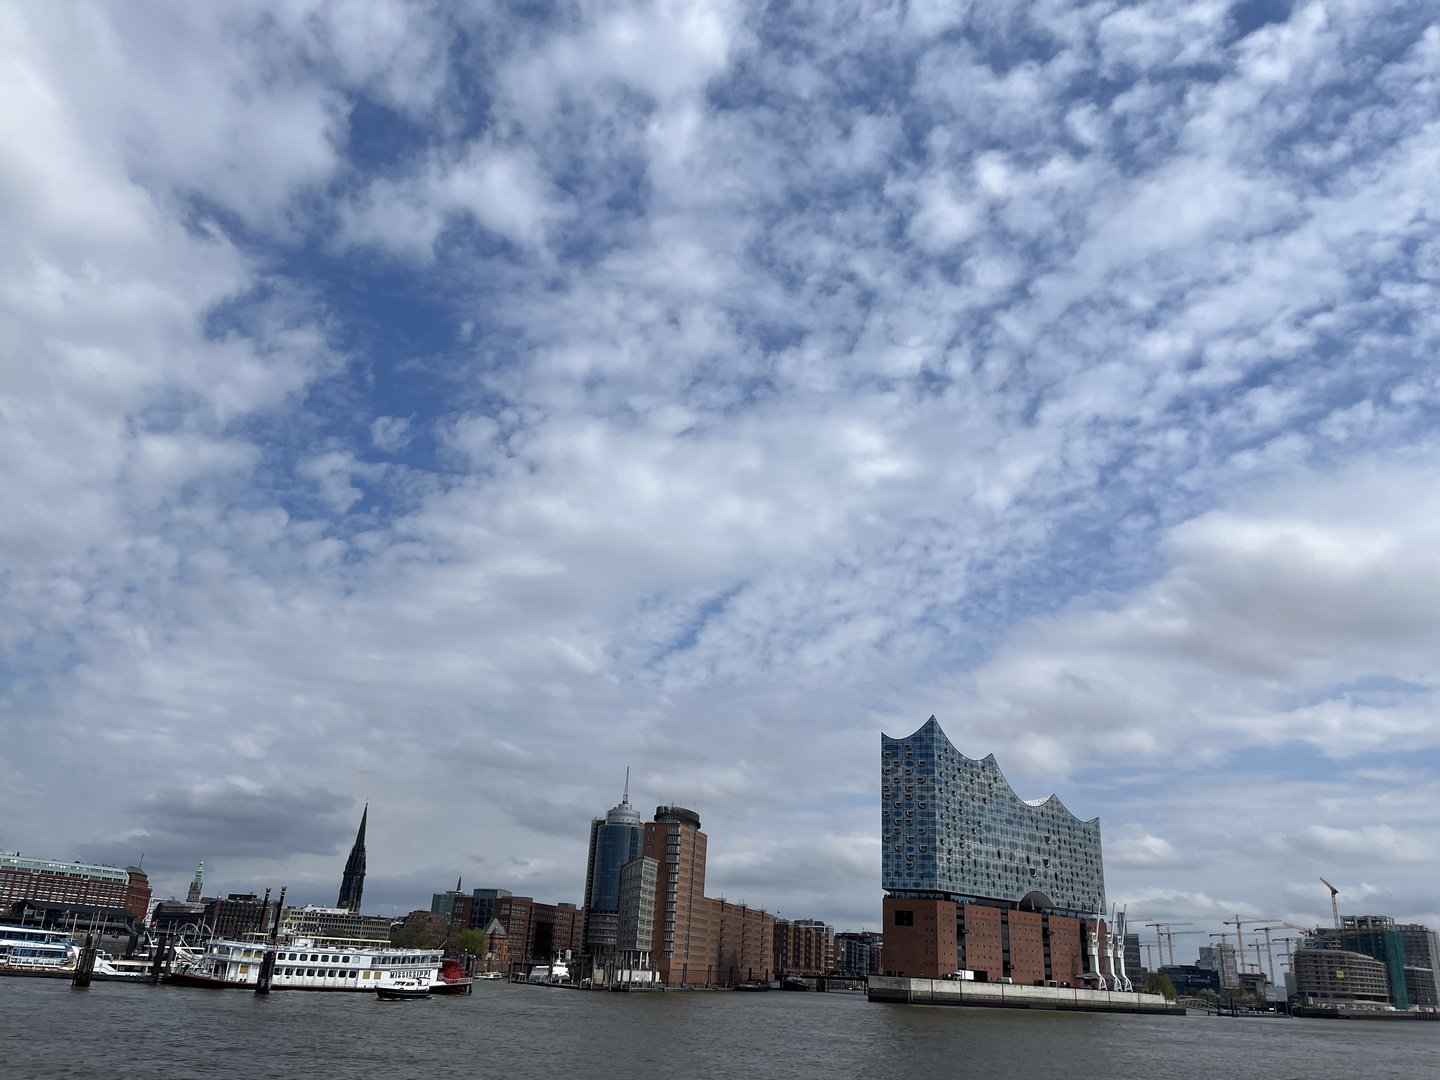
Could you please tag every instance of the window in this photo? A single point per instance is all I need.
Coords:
(904, 918)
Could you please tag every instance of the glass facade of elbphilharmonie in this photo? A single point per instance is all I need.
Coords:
(952, 827)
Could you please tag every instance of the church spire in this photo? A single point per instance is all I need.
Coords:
(352, 884)
(193, 896)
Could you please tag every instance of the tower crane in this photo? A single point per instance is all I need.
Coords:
(1239, 925)
(1269, 948)
(1334, 907)
(1164, 928)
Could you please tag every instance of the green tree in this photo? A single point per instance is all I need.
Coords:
(1159, 984)
(471, 942)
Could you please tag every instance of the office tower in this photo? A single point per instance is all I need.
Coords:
(614, 841)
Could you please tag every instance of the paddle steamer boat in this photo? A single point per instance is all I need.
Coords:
(302, 965)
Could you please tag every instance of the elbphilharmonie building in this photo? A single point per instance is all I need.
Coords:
(952, 828)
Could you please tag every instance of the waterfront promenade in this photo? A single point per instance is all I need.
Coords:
(117, 1031)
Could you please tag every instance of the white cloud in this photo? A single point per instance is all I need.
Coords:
(390, 433)
(827, 376)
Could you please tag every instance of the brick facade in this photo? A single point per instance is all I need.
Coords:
(929, 939)
(698, 940)
(73, 883)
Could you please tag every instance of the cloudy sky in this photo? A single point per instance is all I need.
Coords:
(451, 405)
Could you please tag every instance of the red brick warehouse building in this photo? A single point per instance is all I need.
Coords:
(980, 880)
(73, 883)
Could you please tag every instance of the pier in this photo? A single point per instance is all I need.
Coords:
(993, 995)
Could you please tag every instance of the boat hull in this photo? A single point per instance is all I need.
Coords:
(393, 994)
(207, 982)
(452, 986)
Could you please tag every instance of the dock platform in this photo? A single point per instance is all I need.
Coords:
(994, 995)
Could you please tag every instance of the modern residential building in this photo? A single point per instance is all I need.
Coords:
(1187, 978)
(978, 879)
(1334, 976)
(635, 935)
(73, 883)
(1134, 966)
(352, 881)
(483, 909)
(1223, 960)
(1368, 935)
(859, 953)
(1422, 962)
(803, 947)
(615, 840)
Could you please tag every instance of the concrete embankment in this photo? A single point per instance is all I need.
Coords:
(908, 991)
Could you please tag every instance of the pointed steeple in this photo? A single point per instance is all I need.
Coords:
(352, 883)
(193, 896)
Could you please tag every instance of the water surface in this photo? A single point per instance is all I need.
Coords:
(49, 1030)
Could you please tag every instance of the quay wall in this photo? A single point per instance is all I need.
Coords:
(907, 991)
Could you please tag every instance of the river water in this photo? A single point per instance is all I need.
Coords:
(116, 1030)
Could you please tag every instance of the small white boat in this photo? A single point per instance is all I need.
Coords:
(403, 990)
(489, 975)
(549, 974)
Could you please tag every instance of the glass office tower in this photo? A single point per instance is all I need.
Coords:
(615, 840)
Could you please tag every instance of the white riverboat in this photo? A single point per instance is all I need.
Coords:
(30, 950)
(302, 965)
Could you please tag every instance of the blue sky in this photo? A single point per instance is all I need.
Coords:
(452, 405)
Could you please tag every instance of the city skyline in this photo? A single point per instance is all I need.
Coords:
(448, 407)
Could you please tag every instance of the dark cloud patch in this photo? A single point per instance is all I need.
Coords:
(231, 822)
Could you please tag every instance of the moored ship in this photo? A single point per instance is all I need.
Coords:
(301, 965)
(31, 950)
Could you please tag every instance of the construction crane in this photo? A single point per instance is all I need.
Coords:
(1256, 946)
(1171, 935)
(1334, 907)
(1164, 928)
(1150, 956)
(1269, 949)
(1239, 925)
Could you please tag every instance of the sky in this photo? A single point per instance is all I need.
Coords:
(450, 406)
